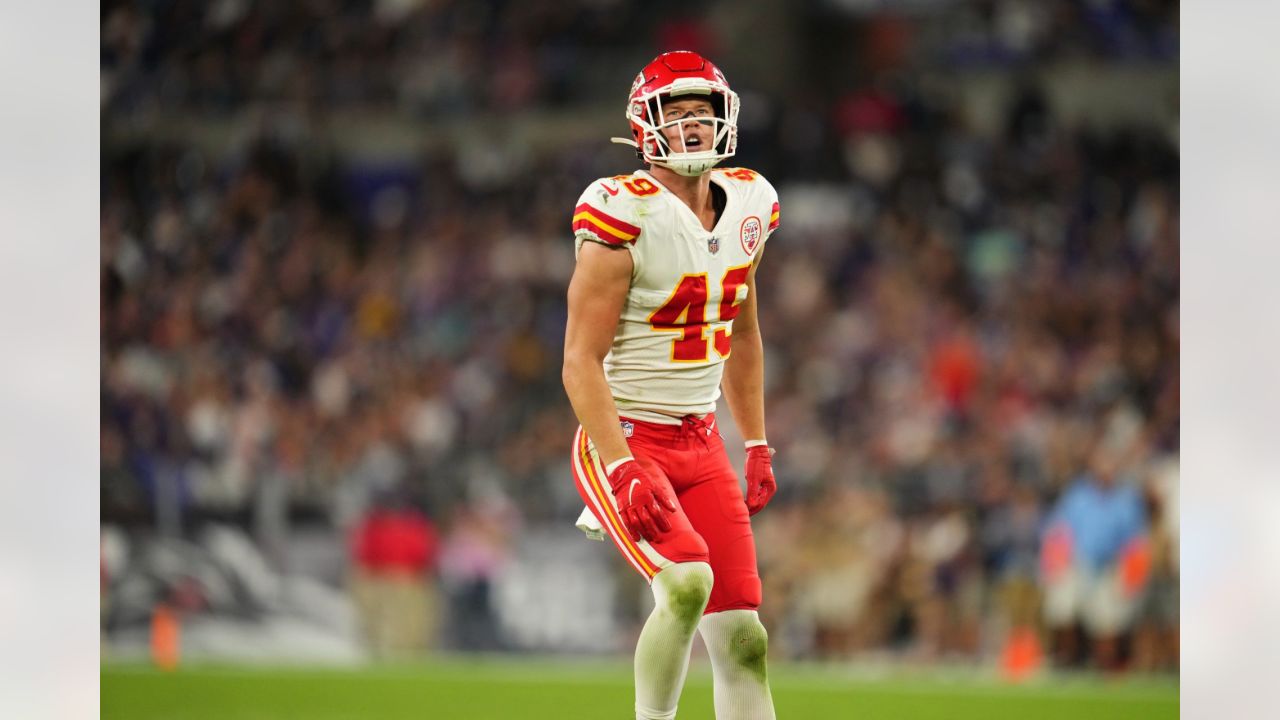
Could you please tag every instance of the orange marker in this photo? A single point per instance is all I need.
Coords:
(166, 637)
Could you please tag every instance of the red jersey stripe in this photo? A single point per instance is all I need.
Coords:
(613, 222)
(599, 230)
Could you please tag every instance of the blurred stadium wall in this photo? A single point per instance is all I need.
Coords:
(335, 246)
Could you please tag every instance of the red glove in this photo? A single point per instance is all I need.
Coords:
(760, 483)
(643, 500)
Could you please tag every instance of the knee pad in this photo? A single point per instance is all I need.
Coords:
(736, 638)
(683, 589)
(750, 643)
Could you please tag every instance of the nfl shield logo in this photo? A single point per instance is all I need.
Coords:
(713, 244)
(628, 428)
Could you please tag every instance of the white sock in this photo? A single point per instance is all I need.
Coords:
(737, 644)
(680, 594)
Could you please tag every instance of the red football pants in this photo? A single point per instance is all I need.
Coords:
(711, 524)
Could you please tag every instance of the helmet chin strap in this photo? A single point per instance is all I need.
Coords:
(688, 167)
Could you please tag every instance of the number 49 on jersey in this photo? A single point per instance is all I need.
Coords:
(685, 312)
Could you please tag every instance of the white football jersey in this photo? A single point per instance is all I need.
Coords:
(686, 286)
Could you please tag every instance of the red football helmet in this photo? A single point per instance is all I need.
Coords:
(673, 75)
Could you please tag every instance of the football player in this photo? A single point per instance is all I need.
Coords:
(662, 316)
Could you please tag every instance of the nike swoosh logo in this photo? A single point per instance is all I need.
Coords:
(632, 489)
(608, 189)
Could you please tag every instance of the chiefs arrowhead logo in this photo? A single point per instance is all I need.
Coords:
(751, 232)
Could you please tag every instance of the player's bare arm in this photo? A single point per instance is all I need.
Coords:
(597, 292)
(743, 385)
(743, 382)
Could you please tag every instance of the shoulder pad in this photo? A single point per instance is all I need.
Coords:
(758, 191)
(751, 182)
(604, 212)
(738, 173)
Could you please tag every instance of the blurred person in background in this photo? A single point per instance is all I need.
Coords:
(1156, 641)
(1010, 537)
(664, 287)
(395, 549)
(477, 547)
(847, 547)
(1095, 559)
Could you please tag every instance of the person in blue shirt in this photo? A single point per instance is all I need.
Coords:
(1092, 560)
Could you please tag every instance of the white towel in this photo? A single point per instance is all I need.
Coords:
(588, 524)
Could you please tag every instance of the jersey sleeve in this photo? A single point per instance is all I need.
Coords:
(605, 216)
(770, 199)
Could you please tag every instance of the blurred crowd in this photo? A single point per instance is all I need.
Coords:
(971, 338)
(457, 57)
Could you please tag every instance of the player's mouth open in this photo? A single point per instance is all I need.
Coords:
(692, 142)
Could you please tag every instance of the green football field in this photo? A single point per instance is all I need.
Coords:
(536, 688)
